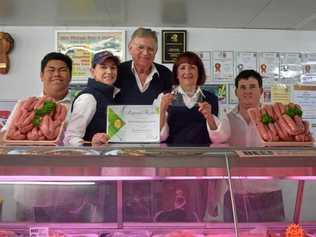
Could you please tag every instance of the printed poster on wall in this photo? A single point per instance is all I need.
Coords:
(82, 45)
(266, 98)
(220, 90)
(280, 93)
(305, 96)
(223, 65)
(232, 98)
(245, 60)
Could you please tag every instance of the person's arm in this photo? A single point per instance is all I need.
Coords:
(219, 131)
(222, 133)
(163, 101)
(207, 111)
(83, 111)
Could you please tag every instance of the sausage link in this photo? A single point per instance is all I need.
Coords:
(33, 134)
(290, 122)
(283, 136)
(299, 138)
(63, 113)
(28, 119)
(283, 124)
(44, 126)
(270, 111)
(277, 110)
(263, 131)
(274, 132)
(25, 129)
(29, 103)
(281, 107)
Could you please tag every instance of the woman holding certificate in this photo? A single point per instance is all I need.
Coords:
(88, 115)
(188, 113)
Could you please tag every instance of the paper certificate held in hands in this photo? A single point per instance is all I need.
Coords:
(133, 123)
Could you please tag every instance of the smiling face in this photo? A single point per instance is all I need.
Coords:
(143, 51)
(187, 75)
(105, 73)
(248, 93)
(56, 78)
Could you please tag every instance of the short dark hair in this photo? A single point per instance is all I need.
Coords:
(246, 74)
(56, 56)
(191, 58)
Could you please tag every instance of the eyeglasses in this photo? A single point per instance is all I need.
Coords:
(144, 48)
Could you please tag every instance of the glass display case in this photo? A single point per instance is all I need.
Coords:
(152, 190)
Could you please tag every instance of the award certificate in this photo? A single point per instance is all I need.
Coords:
(223, 65)
(246, 60)
(269, 64)
(290, 66)
(133, 123)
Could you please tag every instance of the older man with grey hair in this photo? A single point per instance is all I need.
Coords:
(140, 79)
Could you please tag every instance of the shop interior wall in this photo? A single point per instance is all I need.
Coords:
(32, 43)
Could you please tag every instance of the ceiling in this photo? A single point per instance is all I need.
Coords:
(246, 14)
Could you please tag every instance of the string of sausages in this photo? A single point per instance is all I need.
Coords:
(277, 122)
(23, 126)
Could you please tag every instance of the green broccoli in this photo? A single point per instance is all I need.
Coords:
(292, 111)
(266, 119)
(47, 107)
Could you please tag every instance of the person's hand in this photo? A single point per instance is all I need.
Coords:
(205, 109)
(100, 139)
(166, 100)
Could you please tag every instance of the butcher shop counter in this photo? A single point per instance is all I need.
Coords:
(149, 188)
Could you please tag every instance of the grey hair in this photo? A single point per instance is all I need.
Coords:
(144, 33)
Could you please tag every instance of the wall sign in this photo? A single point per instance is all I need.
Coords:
(82, 45)
(174, 42)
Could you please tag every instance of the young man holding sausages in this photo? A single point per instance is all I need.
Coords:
(256, 200)
(55, 74)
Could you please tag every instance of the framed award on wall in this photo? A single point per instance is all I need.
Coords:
(174, 42)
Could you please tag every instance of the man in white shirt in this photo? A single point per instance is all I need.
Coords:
(256, 200)
(55, 75)
(56, 69)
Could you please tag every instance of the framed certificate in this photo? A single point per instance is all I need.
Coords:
(245, 60)
(133, 123)
(269, 64)
(223, 65)
(205, 56)
(174, 42)
(80, 46)
(290, 67)
(309, 68)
